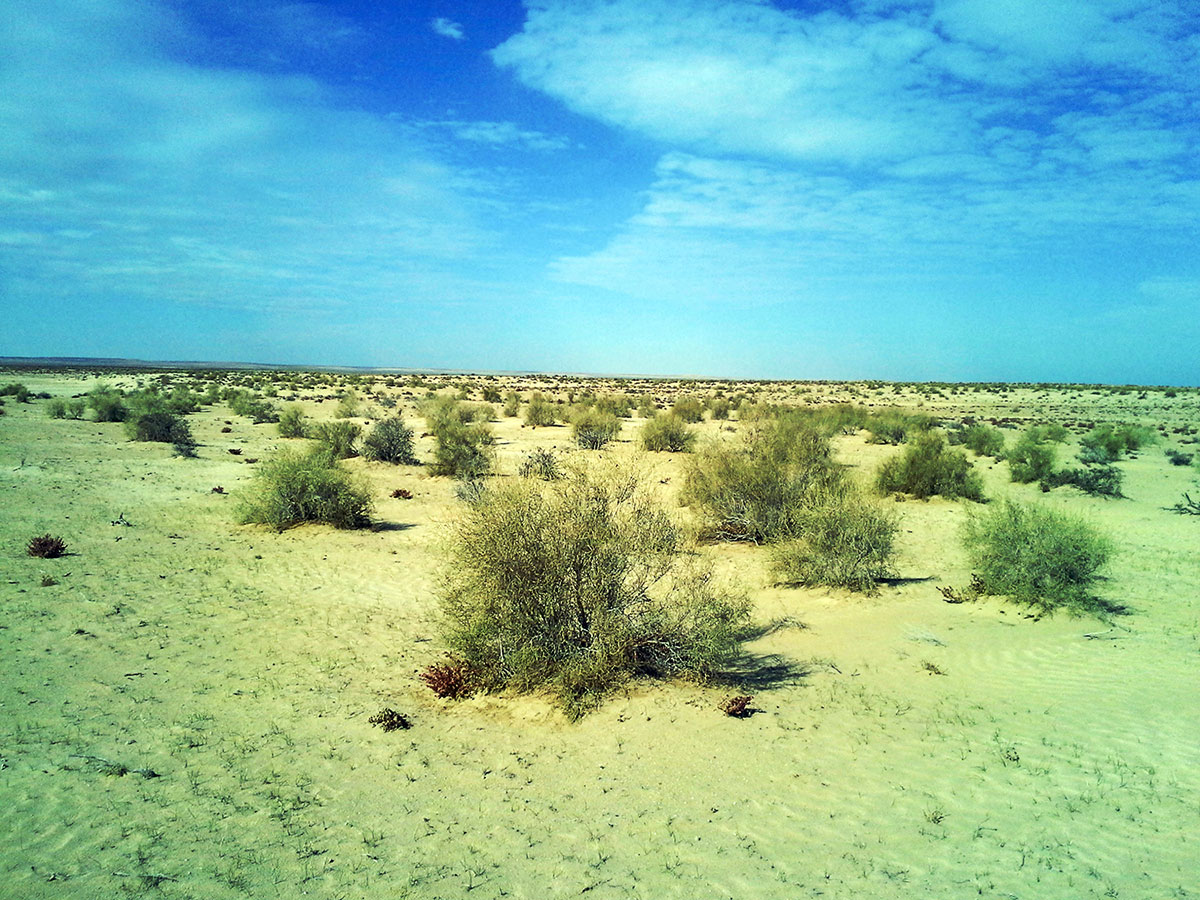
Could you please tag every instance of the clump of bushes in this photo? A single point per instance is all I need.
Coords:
(57, 408)
(574, 586)
(46, 546)
(1108, 443)
(781, 486)
(1178, 457)
(512, 404)
(339, 438)
(667, 433)
(293, 488)
(292, 422)
(928, 467)
(244, 403)
(17, 391)
(1036, 556)
(593, 429)
(895, 427)
(107, 403)
(390, 441)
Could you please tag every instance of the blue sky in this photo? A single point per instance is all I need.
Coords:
(941, 190)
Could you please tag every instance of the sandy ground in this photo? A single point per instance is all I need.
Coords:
(229, 672)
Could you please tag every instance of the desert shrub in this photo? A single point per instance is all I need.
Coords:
(46, 546)
(348, 407)
(1036, 555)
(338, 438)
(75, 408)
(295, 487)
(719, 409)
(1103, 481)
(541, 463)
(390, 441)
(984, 440)
(667, 433)
(539, 412)
(619, 405)
(646, 408)
(894, 427)
(756, 489)
(107, 403)
(292, 422)
(1030, 459)
(843, 540)
(928, 467)
(57, 408)
(17, 391)
(576, 585)
(593, 429)
(512, 404)
(462, 449)
(451, 679)
(688, 409)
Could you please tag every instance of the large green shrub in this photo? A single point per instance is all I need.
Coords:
(894, 426)
(1036, 555)
(294, 487)
(163, 427)
(108, 403)
(390, 441)
(575, 585)
(688, 409)
(667, 433)
(928, 467)
(1108, 443)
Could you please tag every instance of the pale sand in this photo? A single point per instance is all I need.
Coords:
(241, 667)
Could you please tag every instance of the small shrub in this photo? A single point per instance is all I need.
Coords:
(348, 407)
(75, 408)
(1052, 432)
(338, 438)
(46, 546)
(895, 427)
(594, 429)
(576, 585)
(541, 463)
(390, 441)
(390, 720)
(292, 422)
(15, 390)
(451, 679)
(984, 440)
(107, 403)
(463, 450)
(843, 541)
(57, 409)
(719, 409)
(1178, 458)
(667, 433)
(1108, 443)
(1030, 459)
(1036, 556)
(738, 707)
(512, 404)
(293, 488)
(927, 467)
(258, 410)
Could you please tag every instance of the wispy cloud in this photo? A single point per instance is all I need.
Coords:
(447, 28)
(129, 173)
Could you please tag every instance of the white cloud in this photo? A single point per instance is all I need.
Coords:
(447, 28)
(496, 134)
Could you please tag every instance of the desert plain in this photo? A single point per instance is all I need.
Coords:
(186, 699)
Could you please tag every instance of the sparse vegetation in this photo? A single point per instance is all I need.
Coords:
(593, 429)
(1032, 458)
(46, 546)
(292, 422)
(339, 438)
(539, 412)
(1036, 556)
(541, 463)
(984, 440)
(575, 585)
(463, 450)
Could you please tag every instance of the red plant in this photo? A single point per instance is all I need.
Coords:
(402, 494)
(738, 707)
(449, 679)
